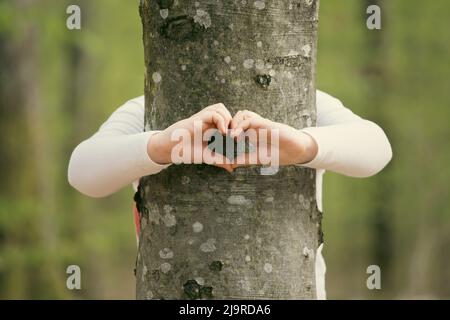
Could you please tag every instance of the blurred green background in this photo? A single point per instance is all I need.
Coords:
(57, 86)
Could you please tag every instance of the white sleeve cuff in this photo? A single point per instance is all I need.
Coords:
(144, 161)
(323, 150)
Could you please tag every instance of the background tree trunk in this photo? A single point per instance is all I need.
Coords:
(23, 136)
(377, 77)
(207, 233)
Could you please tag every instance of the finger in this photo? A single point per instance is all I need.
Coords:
(226, 116)
(217, 106)
(215, 118)
(236, 119)
(250, 114)
(242, 115)
(221, 109)
(244, 125)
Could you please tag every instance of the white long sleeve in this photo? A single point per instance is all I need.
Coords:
(347, 144)
(117, 155)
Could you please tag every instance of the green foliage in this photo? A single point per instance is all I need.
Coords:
(402, 85)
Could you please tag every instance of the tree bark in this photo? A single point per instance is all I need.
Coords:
(207, 233)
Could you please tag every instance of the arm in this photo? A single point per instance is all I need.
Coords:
(114, 156)
(120, 153)
(347, 144)
(342, 141)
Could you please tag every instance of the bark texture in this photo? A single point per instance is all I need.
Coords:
(206, 233)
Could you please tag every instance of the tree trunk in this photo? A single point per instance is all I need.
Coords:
(378, 89)
(207, 233)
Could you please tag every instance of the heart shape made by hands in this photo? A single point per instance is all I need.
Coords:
(228, 146)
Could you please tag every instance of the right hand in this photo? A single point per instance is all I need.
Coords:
(161, 144)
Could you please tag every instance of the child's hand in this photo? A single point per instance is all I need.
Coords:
(161, 145)
(294, 146)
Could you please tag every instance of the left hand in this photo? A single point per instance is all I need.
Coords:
(294, 146)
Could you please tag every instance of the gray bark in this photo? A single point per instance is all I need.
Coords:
(259, 234)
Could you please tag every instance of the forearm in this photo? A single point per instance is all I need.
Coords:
(101, 166)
